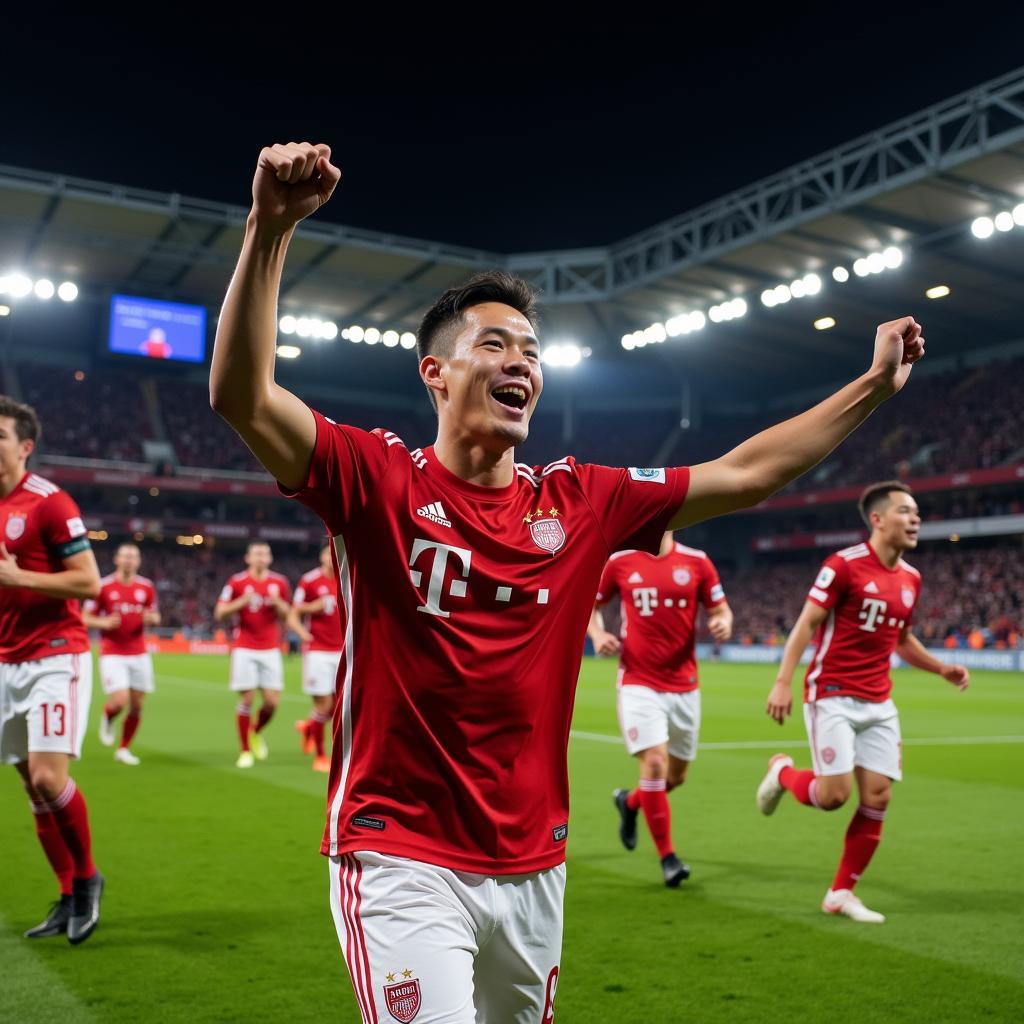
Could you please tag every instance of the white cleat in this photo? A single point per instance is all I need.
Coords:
(769, 793)
(844, 902)
(107, 736)
(245, 759)
(124, 756)
(259, 746)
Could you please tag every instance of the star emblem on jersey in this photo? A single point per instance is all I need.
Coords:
(403, 998)
(547, 534)
(15, 526)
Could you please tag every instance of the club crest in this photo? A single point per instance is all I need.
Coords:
(547, 534)
(15, 527)
(828, 755)
(140, 595)
(680, 577)
(403, 999)
(908, 597)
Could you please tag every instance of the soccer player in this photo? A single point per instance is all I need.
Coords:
(658, 698)
(259, 598)
(316, 598)
(126, 604)
(860, 610)
(46, 567)
(461, 574)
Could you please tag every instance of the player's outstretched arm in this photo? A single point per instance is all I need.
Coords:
(79, 579)
(768, 461)
(292, 181)
(914, 653)
(780, 700)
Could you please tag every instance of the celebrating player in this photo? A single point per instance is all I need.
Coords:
(461, 574)
(46, 567)
(259, 598)
(125, 606)
(860, 609)
(658, 699)
(316, 598)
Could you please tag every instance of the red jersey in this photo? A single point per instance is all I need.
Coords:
(869, 605)
(41, 526)
(660, 595)
(324, 626)
(465, 614)
(258, 625)
(129, 600)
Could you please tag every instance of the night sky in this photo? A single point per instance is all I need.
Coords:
(523, 135)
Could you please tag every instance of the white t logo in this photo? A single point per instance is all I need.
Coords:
(870, 612)
(646, 599)
(437, 571)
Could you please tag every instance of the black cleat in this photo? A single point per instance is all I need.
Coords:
(56, 922)
(627, 819)
(674, 869)
(85, 908)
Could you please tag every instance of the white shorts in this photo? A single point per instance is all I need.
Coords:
(44, 706)
(257, 670)
(126, 672)
(648, 718)
(320, 672)
(438, 945)
(845, 732)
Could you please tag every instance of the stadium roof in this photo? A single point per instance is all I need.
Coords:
(916, 184)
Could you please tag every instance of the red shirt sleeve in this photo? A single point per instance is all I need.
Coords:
(831, 582)
(61, 526)
(711, 591)
(609, 584)
(633, 506)
(228, 592)
(346, 464)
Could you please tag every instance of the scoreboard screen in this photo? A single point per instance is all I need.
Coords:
(155, 329)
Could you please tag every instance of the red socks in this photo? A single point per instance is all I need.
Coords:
(315, 730)
(862, 839)
(244, 720)
(131, 725)
(654, 801)
(72, 819)
(54, 847)
(801, 783)
(110, 714)
(265, 715)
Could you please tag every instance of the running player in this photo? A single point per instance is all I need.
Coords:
(46, 567)
(126, 604)
(316, 598)
(860, 611)
(259, 598)
(461, 574)
(658, 698)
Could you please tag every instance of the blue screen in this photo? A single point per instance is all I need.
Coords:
(157, 330)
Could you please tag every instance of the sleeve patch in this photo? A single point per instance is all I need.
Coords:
(75, 526)
(717, 592)
(818, 595)
(647, 476)
(72, 547)
(825, 577)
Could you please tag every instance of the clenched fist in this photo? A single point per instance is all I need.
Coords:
(898, 345)
(293, 180)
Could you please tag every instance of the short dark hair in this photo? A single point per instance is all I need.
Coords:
(875, 495)
(436, 332)
(26, 422)
(256, 544)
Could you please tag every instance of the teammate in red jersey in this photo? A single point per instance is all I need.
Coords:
(46, 567)
(259, 598)
(126, 604)
(658, 698)
(316, 599)
(461, 574)
(860, 611)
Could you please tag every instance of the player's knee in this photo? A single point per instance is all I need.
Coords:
(654, 764)
(832, 797)
(878, 799)
(46, 781)
(676, 778)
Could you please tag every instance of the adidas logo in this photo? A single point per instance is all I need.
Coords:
(435, 513)
(871, 587)
(635, 578)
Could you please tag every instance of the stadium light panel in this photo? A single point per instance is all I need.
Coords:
(939, 291)
(768, 298)
(68, 291)
(697, 320)
(627, 342)
(840, 274)
(289, 351)
(328, 330)
(371, 336)
(1018, 215)
(676, 325)
(1004, 221)
(782, 293)
(390, 339)
(565, 354)
(287, 324)
(892, 257)
(715, 315)
(824, 323)
(18, 286)
(739, 307)
(796, 289)
(876, 263)
(5, 310)
(303, 327)
(812, 284)
(355, 334)
(408, 340)
(44, 288)
(860, 267)
(982, 227)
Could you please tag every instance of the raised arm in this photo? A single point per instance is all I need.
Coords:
(292, 181)
(780, 700)
(768, 461)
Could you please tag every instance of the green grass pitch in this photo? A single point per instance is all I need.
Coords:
(216, 905)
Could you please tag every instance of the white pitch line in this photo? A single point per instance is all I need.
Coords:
(924, 741)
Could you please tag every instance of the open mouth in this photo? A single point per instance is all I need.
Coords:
(511, 395)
